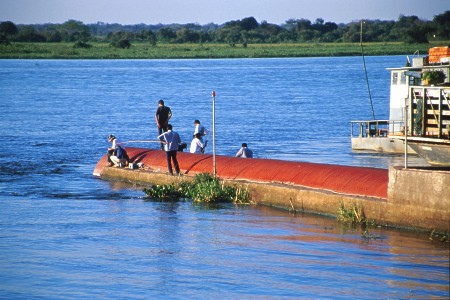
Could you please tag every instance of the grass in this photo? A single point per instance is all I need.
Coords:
(172, 51)
(350, 214)
(204, 189)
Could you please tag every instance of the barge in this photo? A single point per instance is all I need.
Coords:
(411, 198)
(419, 116)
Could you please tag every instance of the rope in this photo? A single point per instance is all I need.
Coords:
(143, 141)
(365, 72)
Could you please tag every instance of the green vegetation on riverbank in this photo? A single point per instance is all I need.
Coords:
(203, 189)
(22, 50)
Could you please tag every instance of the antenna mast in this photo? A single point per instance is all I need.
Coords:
(365, 70)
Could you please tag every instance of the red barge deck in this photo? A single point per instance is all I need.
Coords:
(361, 181)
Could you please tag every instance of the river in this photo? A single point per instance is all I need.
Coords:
(67, 235)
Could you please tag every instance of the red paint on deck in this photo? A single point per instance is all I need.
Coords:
(340, 179)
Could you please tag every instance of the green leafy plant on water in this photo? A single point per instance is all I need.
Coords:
(442, 237)
(369, 236)
(351, 214)
(355, 215)
(205, 188)
(168, 191)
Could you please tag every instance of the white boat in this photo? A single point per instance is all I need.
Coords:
(419, 113)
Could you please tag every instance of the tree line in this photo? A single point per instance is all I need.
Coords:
(409, 29)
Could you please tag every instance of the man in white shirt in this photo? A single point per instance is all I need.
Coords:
(199, 128)
(203, 132)
(114, 143)
(244, 152)
(172, 141)
(196, 144)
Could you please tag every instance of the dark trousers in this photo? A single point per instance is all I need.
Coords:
(161, 130)
(172, 156)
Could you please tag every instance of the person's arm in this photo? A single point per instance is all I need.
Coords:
(239, 153)
(162, 136)
(200, 144)
(169, 115)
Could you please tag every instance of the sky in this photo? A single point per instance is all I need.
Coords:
(213, 11)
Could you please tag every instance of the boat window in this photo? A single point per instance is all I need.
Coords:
(403, 78)
(394, 78)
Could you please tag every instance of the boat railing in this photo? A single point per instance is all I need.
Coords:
(376, 128)
(429, 112)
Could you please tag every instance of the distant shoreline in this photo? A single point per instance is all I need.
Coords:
(205, 51)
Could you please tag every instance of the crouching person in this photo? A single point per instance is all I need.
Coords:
(120, 157)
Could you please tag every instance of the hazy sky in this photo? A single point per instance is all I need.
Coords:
(216, 11)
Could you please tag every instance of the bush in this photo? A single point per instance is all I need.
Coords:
(81, 44)
(122, 44)
(205, 188)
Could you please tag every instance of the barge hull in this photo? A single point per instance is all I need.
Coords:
(410, 198)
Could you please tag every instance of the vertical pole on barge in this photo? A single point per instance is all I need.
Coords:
(406, 128)
(214, 130)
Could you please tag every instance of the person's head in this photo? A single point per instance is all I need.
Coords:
(244, 145)
(169, 127)
(198, 135)
(111, 137)
(196, 122)
(161, 102)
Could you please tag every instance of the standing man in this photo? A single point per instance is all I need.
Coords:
(162, 117)
(199, 128)
(244, 152)
(172, 140)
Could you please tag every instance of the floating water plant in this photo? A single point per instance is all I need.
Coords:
(205, 188)
(369, 236)
(168, 191)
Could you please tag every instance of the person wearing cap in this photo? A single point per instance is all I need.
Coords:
(244, 152)
(201, 130)
(171, 141)
(117, 155)
(162, 117)
(113, 140)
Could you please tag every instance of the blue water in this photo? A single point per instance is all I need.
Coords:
(65, 234)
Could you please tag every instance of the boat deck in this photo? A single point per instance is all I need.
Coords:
(361, 181)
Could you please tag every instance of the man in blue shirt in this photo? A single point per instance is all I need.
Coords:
(172, 140)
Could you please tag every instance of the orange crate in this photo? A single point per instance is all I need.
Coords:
(439, 51)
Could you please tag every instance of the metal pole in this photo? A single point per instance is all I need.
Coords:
(214, 130)
(406, 131)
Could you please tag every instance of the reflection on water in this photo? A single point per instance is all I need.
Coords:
(135, 248)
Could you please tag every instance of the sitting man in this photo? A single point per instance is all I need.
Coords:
(244, 152)
(196, 145)
(120, 157)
